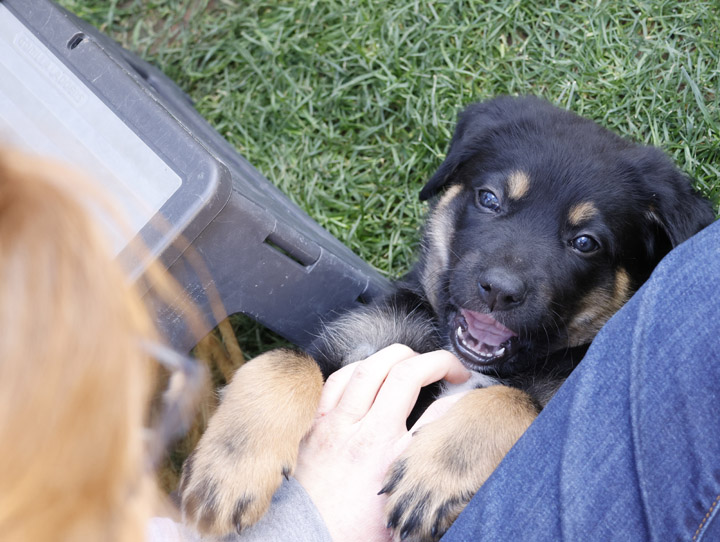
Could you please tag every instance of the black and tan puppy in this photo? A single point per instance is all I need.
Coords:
(544, 225)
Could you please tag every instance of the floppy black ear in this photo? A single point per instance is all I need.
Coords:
(473, 124)
(452, 160)
(675, 208)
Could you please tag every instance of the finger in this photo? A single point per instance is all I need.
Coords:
(335, 387)
(367, 378)
(398, 395)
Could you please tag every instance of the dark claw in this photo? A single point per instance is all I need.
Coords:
(415, 518)
(398, 471)
(286, 472)
(240, 507)
(442, 514)
(394, 518)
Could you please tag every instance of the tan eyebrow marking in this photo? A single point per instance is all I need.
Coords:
(518, 183)
(582, 212)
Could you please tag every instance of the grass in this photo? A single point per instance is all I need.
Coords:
(348, 105)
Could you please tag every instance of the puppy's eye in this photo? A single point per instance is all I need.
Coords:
(488, 200)
(585, 244)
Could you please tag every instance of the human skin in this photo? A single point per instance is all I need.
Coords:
(360, 428)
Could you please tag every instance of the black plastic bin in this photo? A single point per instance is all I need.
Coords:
(67, 90)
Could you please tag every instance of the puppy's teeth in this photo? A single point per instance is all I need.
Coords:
(500, 352)
(463, 325)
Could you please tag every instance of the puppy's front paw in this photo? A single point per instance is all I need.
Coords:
(424, 495)
(224, 489)
(251, 442)
(449, 459)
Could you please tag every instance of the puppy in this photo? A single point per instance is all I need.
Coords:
(542, 226)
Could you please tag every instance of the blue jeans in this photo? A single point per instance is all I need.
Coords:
(629, 448)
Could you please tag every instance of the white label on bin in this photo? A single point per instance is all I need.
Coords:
(47, 110)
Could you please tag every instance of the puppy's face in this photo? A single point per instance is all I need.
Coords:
(547, 226)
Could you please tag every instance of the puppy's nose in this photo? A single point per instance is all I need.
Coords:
(501, 290)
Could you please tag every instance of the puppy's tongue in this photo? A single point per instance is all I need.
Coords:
(485, 329)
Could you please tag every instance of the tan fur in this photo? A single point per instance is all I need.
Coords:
(598, 307)
(518, 184)
(251, 442)
(582, 212)
(221, 354)
(74, 382)
(446, 463)
(439, 235)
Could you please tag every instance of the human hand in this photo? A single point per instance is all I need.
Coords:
(360, 429)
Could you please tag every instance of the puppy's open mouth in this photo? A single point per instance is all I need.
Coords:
(481, 340)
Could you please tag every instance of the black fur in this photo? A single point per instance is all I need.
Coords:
(519, 261)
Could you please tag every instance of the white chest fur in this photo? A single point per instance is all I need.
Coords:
(476, 380)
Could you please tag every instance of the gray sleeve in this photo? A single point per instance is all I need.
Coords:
(292, 516)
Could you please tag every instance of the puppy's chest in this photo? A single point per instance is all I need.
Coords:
(476, 380)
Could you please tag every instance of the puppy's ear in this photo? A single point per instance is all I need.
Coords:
(675, 210)
(474, 130)
(473, 125)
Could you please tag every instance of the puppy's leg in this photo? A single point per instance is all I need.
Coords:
(251, 442)
(449, 459)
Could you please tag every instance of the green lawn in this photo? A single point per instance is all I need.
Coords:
(348, 105)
